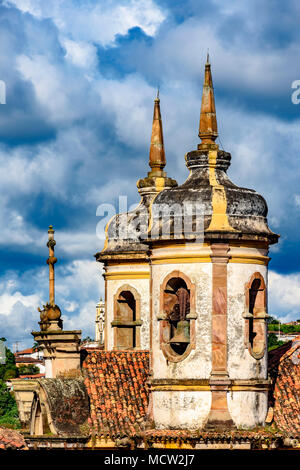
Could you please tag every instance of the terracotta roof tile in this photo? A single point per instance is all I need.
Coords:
(25, 351)
(284, 369)
(31, 376)
(11, 439)
(116, 385)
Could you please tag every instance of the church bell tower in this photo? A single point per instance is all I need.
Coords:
(208, 311)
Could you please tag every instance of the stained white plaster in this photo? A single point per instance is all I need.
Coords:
(241, 365)
(180, 410)
(248, 409)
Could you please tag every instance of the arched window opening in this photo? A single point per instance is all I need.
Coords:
(256, 315)
(177, 316)
(176, 308)
(38, 423)
(126, 320)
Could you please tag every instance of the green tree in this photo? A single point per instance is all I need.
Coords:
(6, 399)
(273, 321)
(8, 370)
(9, 416)
(273, 342)
(28, 370)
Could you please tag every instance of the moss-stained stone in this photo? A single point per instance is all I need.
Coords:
(68, 404)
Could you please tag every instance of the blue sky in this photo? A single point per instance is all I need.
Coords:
(81, 76)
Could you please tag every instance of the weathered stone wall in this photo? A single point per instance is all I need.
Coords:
(184, 410)
(241, 365)
(248, 409)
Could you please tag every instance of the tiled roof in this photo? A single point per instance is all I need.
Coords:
(116, 385)
(25, 351)
(28, 360)
(257, 434)
(11, 439)
(284, 368)
(31, 376)
(276, 355)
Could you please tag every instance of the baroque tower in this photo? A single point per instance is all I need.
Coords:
(188, 281)
(125, 256)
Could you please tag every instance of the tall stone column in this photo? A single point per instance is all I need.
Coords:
(60, 348)
(219, 415)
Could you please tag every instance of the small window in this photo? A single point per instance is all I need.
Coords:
(177, 317)
(126, 320)
(256, 315)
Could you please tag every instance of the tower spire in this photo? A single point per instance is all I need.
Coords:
(157, 158)
(208, 129)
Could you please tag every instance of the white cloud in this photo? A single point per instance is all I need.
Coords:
(8, 301)
(80, 53)
(79, 286)
(130, 102)
(105, 19)
(284, 295)
(297, 200)
(50, 85)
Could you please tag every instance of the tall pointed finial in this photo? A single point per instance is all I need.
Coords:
(51, 314)
(208, 129)
(157, 158)
(51, 261)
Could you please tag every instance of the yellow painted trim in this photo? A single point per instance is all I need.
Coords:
(105, 231)
(248, 388)
(204, 388)
(246, 259)
(128, 275)
(150, 223)
(176, 445)
(101, 442)
(132, 262)
(178, 260)
(174, 245)
(159, 184)
(240, 259)
(248, 244)
(180, 388)
(168, 445)
(219, 219)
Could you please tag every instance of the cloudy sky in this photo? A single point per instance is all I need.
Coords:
(80, 80)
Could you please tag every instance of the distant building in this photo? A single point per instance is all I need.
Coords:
(100, 322)
(32, 357)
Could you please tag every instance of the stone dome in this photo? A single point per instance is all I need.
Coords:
(216, 204)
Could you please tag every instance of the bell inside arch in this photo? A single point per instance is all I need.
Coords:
(182, 334)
